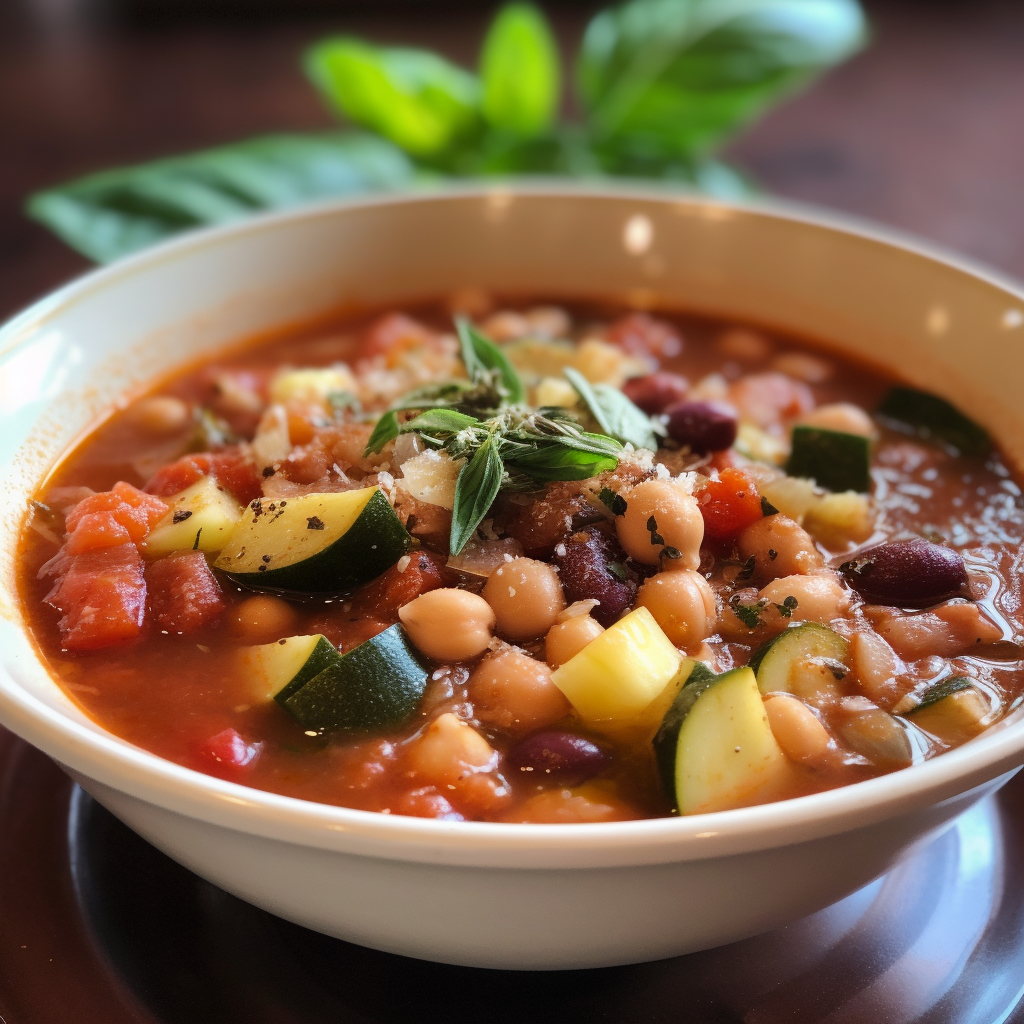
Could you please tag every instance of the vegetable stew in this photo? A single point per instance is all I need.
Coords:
(536, 563)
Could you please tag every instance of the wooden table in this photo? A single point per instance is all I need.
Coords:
(925, 131)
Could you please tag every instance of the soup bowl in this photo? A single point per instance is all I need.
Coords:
(503, 895)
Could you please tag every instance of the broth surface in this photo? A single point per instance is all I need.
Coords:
(173, 692)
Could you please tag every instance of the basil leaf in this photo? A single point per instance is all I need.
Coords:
(675, 78)
(615, 413)
(556, 462)
(480, 355)
(475, 490)
(108, 215)
(445, 420)
(415, 98)
(387, 429)
(447, 393)
(520, 72)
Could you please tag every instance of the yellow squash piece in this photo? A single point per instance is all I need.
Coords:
(620, 673)
(201, 518)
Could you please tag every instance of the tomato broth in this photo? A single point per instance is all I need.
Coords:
(691, 565)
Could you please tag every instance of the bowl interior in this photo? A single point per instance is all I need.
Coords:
(69, 358)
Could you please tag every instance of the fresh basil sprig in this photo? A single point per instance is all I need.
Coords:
(615, 413)
(519, 447)
(387, 429)
(660, 84)
(477, 487)
(484, 359)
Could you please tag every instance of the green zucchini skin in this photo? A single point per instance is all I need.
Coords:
(375, 686)
(717, 750)
(934, 418)
(323, 656)
(770, 662)
(371, 545)
(940, 691)
(835, 460)
(666, 741)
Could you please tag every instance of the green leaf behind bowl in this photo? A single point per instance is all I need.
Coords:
(668, 79)
(111, 214)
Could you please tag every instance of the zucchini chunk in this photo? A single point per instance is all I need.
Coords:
(201, 518)
(621, 672)
(807, 660)
(835, 460)
(377, 685)
(951, 710)
(317, 386)
(934, 418)
(316, 542)
(277, 670)
(715, 749)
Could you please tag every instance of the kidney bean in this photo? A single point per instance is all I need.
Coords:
(559, 756)
(655, 392)
(592, 566)
(703, 426)
(907, 574)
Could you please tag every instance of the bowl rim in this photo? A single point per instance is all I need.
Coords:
(114, 762)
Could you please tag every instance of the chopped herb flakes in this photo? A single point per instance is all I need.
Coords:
(614, 501)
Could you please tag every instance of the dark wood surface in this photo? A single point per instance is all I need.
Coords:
(924, 131)
(97, 927)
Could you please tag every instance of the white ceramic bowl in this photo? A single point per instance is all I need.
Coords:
(526, 896)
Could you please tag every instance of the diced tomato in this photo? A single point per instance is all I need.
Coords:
(96, 530)
(729, 505)
(232, 469)
(393, 335)
(727, 459)
(227, 753)
(135, 510)
(183, 592)
(643, 335)
(386, 594)
(149, 506)
(236, 472)
(175, 477)
(102, 596)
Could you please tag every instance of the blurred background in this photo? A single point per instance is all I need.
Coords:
(923, 129)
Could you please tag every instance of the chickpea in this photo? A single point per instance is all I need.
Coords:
(263, 619)
(526, 596)
(682, 603)
(506, 325)
(566, 639)
(449, 749)
(549, 322)
(740, 343)
(664, 508)
(797, 729)
(875, 667)
(803, 366)
(570, 806)
(448, 624)
(513, 691)
(842, 416)
(161, 414)
(818, 598)
(779, 547)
